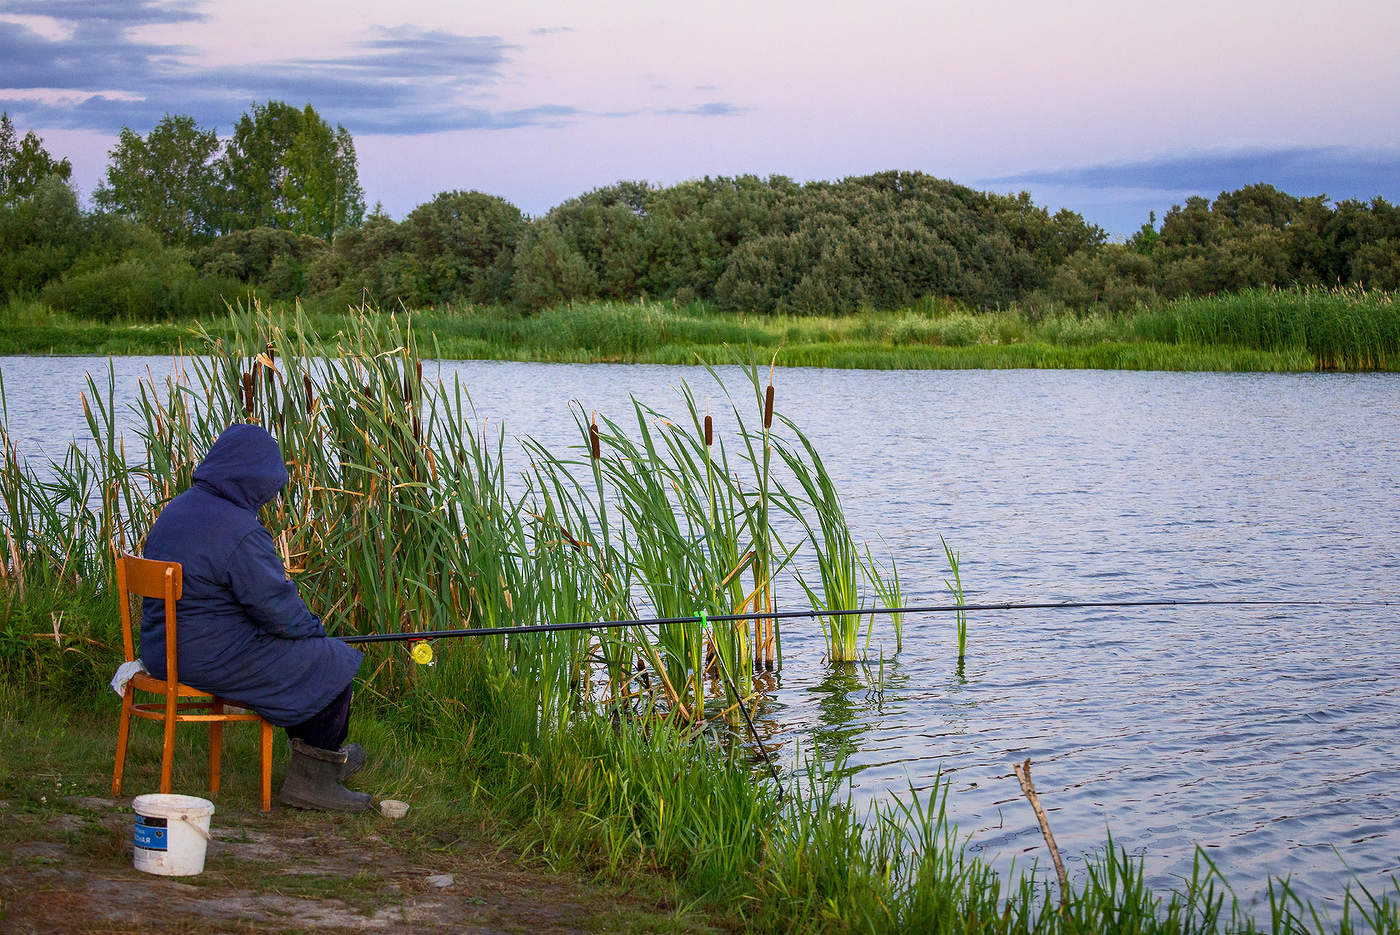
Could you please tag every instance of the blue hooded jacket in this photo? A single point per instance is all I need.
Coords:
(244, 632)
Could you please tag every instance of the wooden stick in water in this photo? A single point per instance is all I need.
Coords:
(1023, 775)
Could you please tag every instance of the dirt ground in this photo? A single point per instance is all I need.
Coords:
(69, 869)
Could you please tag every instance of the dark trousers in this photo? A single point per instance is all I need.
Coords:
(328, 728)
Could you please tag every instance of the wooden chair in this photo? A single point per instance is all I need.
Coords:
(148, 578)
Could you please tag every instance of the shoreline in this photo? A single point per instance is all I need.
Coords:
(87, 340)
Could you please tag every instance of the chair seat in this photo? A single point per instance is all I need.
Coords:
(149, 683)
(156, 709)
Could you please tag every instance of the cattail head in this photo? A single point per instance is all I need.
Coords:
(768, 408)
(271, 353)
(247, 394)
(709, 431)
(593, 442)
(310, 397)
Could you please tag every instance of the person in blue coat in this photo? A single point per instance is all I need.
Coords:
(244, 632)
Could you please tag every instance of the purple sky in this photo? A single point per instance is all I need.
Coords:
(1109, 108)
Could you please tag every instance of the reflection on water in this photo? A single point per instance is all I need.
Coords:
(837, 727)
(1268, 736)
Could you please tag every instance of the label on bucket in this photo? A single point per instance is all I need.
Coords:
(151, 833)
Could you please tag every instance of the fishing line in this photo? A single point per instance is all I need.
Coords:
(814, 614)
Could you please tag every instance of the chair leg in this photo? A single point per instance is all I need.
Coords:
(123, 730)
(265, 743)
(167, 760)
(216, 741)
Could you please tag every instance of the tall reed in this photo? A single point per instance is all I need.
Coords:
(398, 515)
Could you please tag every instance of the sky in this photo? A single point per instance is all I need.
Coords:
(1112, 109)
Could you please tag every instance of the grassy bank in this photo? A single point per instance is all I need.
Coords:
(451, 865)
(1262, 330)
(665, 833)
(616, 754)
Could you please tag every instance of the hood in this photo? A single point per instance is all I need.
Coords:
(244, 466)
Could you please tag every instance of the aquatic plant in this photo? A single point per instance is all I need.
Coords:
(1346, 328)
(955, 588)
(839, 569)
(889, 593)
(398, 516)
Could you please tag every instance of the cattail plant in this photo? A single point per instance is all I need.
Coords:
(397, 515)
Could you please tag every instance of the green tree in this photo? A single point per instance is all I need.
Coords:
(371, 263)
(548, 270)
(24, 163)
(40, 236)
(287, 169)
(609, 228)
(166, 180)
(1257, 205)
(464, 244)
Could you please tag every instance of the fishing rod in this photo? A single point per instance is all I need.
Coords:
(814, 613)
(705, 620)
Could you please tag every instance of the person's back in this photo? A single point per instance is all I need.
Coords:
(244, 633)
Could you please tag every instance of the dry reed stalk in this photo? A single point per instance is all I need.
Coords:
(775, 650)
(666, 682)
(16, 566)
(735, 570)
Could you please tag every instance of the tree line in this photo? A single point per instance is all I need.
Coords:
(183, 220)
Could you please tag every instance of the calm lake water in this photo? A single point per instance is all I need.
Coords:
(1267, 736)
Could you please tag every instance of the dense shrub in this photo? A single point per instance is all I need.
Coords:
(548, 270)
(368, 264)
(142, 287)
(278, 260)
(463, 248)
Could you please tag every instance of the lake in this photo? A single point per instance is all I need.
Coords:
(1268, 736)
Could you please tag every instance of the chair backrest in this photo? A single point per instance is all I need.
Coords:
(144, 577)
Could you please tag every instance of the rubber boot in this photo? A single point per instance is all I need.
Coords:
(354, 760)
(313, 781)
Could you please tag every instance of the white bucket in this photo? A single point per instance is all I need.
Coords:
(171, 833)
